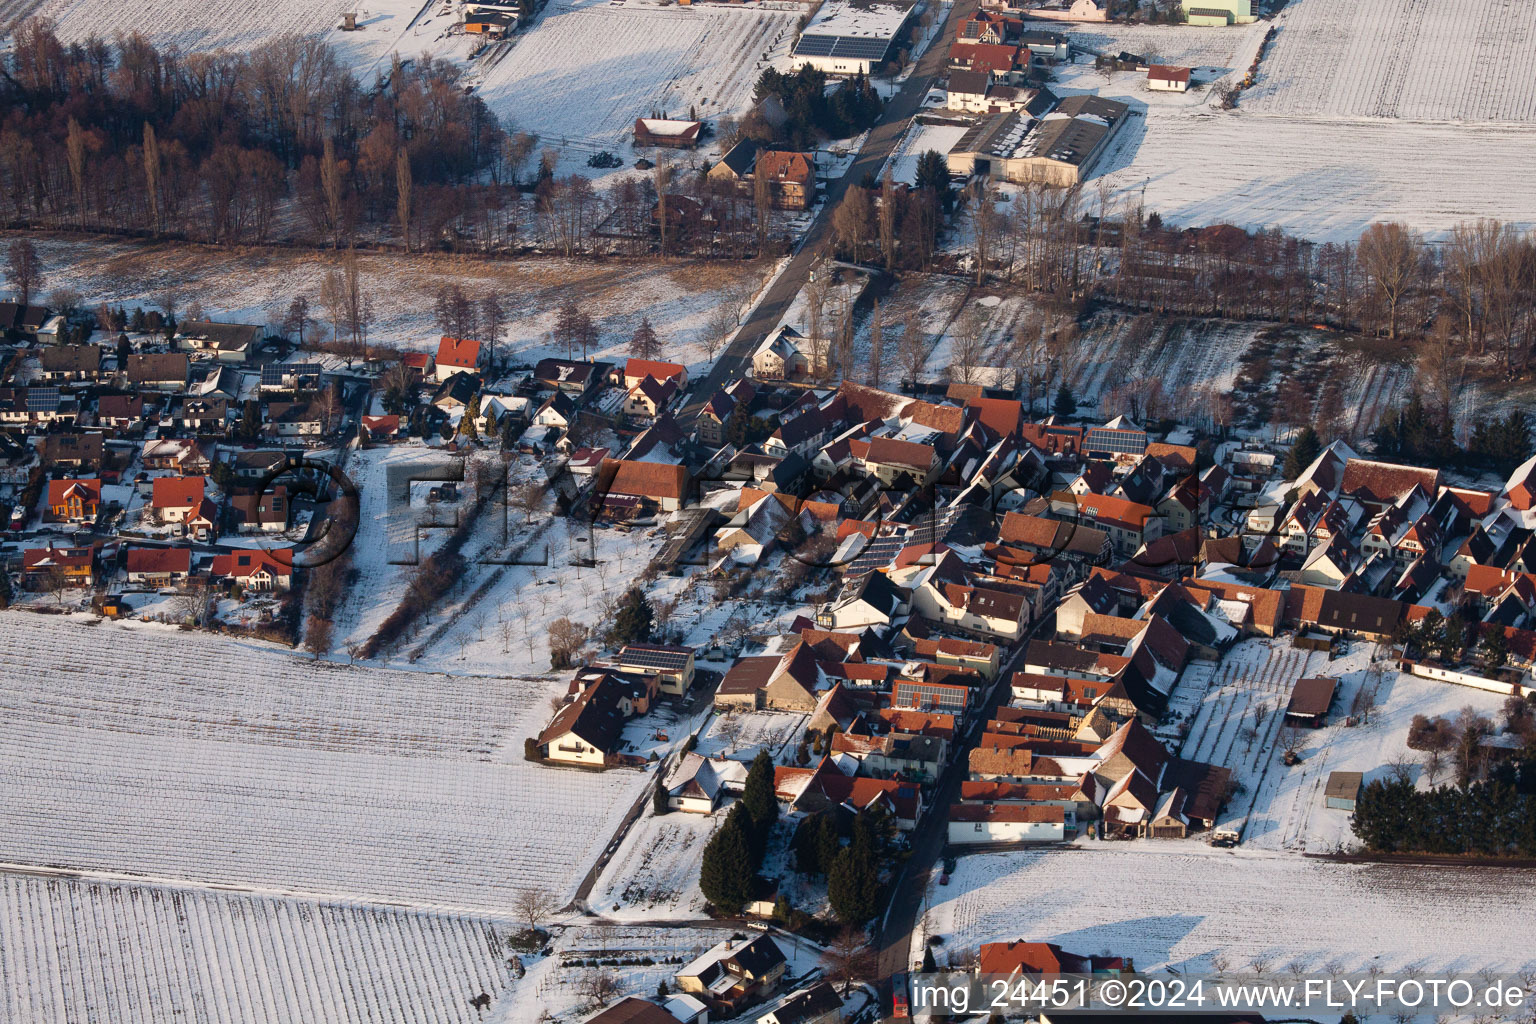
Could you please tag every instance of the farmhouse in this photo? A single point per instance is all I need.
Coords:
(457, 355)
(852, 37)
(656, 131)
(665, 485)
(1005, 822)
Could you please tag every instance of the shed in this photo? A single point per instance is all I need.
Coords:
(1342, 790)
(1310, 701)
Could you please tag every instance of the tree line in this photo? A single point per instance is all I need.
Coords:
(1494, 817)
(125, 136)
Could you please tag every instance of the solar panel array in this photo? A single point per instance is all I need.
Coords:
(273, 374)
(876, 554)
(1120, 442)
(42, 400)
(647, 657)
(851, 47)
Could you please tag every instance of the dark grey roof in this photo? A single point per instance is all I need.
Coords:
(741, 157)
(224, 337)
(808, 1004)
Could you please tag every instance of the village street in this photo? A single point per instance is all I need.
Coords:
(736, 359)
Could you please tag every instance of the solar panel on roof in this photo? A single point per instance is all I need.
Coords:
(42, 399)
(877, 553)
(272, 374)
(851, 47)
(666, 660)
(1121, 442)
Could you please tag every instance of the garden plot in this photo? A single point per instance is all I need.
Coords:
(74, 950)
(585, 71)
(1467, 62)
(184, 757)
(634, 958)
(741, 736)
(655, 874)
(1378, 389)
(1173, 905)
(1239, 718)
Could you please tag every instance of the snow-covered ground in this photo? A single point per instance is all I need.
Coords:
(76, 950)
(1465, 62)
(1180, 906)
(588, 68)
(919, 139)
(257, 285)
(655, 874)
(184, 757)
(1281, 808)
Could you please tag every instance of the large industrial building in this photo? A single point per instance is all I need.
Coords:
(851, 37)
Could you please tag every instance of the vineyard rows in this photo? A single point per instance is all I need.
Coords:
(75, 951)
(179, 756)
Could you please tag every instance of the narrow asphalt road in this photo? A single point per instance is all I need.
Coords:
(894, 942)
(775, 301)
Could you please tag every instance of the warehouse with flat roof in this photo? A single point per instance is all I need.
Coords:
(852, 37)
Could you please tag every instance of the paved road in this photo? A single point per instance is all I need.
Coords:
(895, 935)
(770, 309)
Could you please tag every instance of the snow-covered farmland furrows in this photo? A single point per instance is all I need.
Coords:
(195, 24)
(1193, 354)
(1375, 394)
(1177, 905)
(583, 74)
(1415, 59)
(179, 756)
(1328, 180)
(82, 951)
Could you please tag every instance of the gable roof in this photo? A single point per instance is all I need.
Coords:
(178, 491)
(655, 480)
(244, 564)
(782, 165)
(459, 352)
(158, 560)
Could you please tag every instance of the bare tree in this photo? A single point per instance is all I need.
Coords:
(403, 195)
(912, 349)
(493, 317)
(876, 345)
(152, 177)
(23, 269)
(1389, 253)
(720, 326)
(848, 956)
(529, 498)
(535, 905)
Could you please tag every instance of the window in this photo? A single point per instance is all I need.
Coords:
(978, 826)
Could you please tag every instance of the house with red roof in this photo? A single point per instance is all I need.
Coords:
(458, 355)
(157, 567)
(74, 501)
(255, 569)
(636, 370)
(176, 499)
(75, 566)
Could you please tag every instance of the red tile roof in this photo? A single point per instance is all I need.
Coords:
(178, 491)
(159, 560)
(460, 353)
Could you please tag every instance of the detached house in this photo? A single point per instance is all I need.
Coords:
(74, 501)
(791, 178)
(263, 512)
(181, 501)
(158, 567)
(586, 730)
(75, 566)
(229, 343)
(162, 371)
(256, 569)
(734, 973)
(458, 355)
(782, 355)
(71, 363)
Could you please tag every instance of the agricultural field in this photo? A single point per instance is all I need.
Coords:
(75, 950)
(587, 69)
(1181, 906)
(1182, 45)
(1186, 356)
(188, 758)
(1467, 62)
(384, 26)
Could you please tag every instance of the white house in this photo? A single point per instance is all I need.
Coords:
(1005, 823)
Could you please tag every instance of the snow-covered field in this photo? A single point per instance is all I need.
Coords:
(1180, 906)
(256, 286)
(384, 26)
(586, 70)
(1182, 45)
(74, 951)
(1468, 61)
(183, 757)
(1194, 355)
